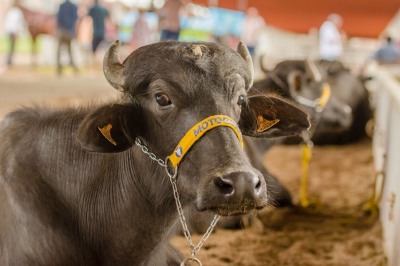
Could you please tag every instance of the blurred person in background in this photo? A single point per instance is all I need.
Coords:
(252, 25)
(169, 19)
(227, 39)
(67, 17)
(331, 38)
(388, 53)
(84, 33)
(141, 32)
(13, 26)
(99, 14)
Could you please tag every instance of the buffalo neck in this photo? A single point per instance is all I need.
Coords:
(132, 203)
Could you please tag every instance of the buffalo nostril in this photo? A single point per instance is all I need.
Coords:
(225, 186)
(258, 185)
(240, 184)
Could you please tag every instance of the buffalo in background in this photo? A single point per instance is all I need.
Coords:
(344, 118)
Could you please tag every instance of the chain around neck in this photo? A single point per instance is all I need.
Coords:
(172, 177)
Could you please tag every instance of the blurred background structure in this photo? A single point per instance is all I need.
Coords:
(291, 27)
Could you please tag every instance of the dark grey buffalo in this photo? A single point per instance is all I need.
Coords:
(71, 194)
(345, 115)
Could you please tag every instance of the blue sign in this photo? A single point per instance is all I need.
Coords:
(218, 22)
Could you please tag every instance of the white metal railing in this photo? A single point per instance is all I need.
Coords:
(386, 150)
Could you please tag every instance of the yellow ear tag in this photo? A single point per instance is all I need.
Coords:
(106, 132)
(263, 124)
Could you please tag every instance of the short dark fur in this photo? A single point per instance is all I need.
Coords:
(70, 197)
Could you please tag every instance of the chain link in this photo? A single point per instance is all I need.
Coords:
(172, 177)
(145, 150)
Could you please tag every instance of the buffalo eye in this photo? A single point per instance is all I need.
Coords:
(241, 100)
(162, 100)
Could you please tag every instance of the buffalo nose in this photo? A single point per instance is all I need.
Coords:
(239, 184)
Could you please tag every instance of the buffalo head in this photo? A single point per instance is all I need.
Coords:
(168, 87)
(306, 82)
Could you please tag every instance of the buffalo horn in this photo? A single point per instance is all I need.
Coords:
(262, 67)
(312, 68)
(112, 67)
(244, 52)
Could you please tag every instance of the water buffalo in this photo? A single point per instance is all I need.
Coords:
(345, 115)
(75, 190)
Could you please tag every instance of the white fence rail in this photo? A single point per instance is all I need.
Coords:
(386, 148)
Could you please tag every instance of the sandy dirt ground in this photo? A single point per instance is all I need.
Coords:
(335, 233)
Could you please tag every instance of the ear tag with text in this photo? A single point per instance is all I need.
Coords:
(264, 124)
(106, 132)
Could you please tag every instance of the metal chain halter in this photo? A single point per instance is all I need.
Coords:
(172, 178)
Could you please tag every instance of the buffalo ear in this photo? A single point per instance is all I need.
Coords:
(106, 129)
(271, 116)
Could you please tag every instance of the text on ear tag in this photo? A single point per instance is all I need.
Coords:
(106, 132)
(263, 124)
